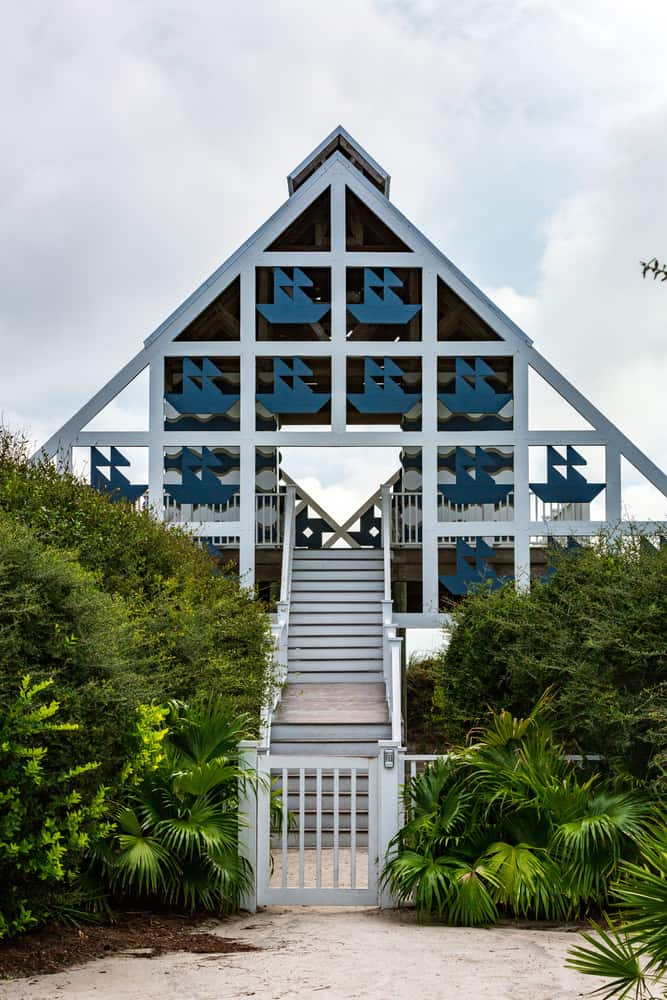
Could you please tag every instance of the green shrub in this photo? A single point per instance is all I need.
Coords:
(508, 826)
(56, 623)
(48, 816)
(421, 718)
(192, 630)
(596, 632)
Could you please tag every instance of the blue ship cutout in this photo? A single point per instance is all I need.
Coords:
(290, 393)
(290, 302)
(205, 397)
(200, 484)
(467, 575)
(477, 488)
(479, 397)
(117, 485)
(385, 308)
(382, 394)
(568, 488)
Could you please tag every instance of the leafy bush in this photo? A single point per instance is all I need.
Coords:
(597, 631)
(117, 613)
(193, 629)
(421, 720)
(176, 838)
(508, 825)
(48, 816)
(56, 624)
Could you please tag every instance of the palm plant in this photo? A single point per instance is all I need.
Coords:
(506, 825)
(176, 837)
(632, 957)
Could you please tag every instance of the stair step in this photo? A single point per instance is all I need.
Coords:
(337, 677)
(339, 748)
(348, 618)
(309, 659)
(335, 625)
(327, 586)
(369, 731)
(360, 573)
(335, 610)
(334, 554)
(313, 636)
(349, 565)
(311, 647)
(310, 784)
(344, 804)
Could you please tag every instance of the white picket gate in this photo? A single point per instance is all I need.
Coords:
(327, 852)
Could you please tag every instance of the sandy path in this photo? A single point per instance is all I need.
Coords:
(337, 954)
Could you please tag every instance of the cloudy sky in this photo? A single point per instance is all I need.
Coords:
(144, 140)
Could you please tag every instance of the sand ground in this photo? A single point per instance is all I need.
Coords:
(337, 954)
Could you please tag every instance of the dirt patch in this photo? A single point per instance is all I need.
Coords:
(144, 935)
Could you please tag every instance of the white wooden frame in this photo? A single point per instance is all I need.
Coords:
(339, 173)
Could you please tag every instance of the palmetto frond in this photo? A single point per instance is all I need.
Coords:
(528, 880)
(206, 732)
(610, 955)
(643, 894)
(178, 838)
(591, 844)
(199, 779)
(141, 863)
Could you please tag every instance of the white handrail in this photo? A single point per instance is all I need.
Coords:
(386, 539)
(288, 545)
(391, 642)
(281, 627)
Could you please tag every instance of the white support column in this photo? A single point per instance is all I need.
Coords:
(390, 779)
(247, 430)
(429, 436)
(156, 436)
(613, 492)
(521, 463)
(430, 527)
(338, 306)
(248, 818)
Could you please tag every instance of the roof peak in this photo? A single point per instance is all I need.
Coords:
(340, 141)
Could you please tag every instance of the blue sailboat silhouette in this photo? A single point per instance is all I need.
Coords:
(568, 488)
(382, 393)
(290, 303)
(199, 482)
(467, 575)
(479, 487)
(478, 397)
(385, 308)
(206, 397)
(290, 393)
(116, 485)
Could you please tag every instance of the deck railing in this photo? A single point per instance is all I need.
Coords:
(391, 642)
(448, 511)
(269, 518)
(199, 513)
(406, 518)
(280, 627)
(541, 511)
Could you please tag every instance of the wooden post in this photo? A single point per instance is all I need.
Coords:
(248, 818)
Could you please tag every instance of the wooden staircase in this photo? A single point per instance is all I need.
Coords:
(334, 700)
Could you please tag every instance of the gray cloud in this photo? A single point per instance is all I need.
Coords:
(144, 142)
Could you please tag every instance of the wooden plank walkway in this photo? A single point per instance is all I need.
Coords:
(332, 703)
